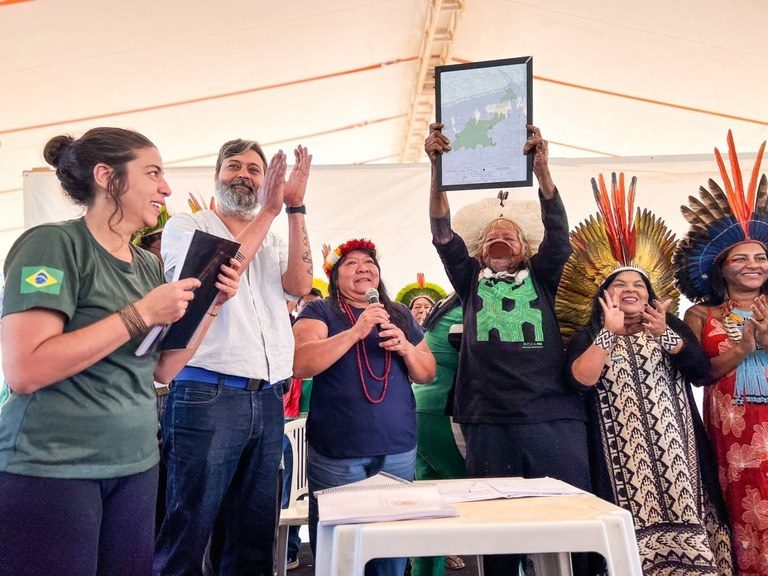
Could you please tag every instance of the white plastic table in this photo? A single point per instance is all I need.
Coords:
(559, 524)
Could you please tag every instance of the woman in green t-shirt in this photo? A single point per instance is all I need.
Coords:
(78, 449)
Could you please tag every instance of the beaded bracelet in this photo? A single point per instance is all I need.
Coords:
(605, 340)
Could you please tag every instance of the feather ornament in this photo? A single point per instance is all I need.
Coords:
(719, 219)
(618, 236)
(420, 289)
(342, 249)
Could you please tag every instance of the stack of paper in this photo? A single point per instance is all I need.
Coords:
(379, 499)
(472, 490)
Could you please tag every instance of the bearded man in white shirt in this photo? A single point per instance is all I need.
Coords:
(223, 427)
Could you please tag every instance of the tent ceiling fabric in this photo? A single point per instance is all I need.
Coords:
(61, 60)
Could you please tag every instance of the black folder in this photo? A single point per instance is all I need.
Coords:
(203, 259)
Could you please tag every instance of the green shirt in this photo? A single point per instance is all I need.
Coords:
(306, 391)
(431, 398)
(101, 422)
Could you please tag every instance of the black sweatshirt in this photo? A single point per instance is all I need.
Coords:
(515, 372)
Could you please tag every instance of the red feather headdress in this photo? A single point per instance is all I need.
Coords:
(620, 237)
(617, 212)
(342, 249)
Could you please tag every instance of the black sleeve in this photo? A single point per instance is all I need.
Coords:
(692, 362)
(577, 345)
(317, 309)
(459, 265)
(413, 332)
(554, 250)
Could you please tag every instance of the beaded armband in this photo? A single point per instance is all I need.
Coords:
(605, 340)
(669, 340)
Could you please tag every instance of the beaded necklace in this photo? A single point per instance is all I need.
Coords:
(359, 346)
(734, 319)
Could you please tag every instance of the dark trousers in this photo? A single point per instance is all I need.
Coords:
(73, 527)
(557, 449)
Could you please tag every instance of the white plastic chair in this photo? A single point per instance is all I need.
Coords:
(297, 513)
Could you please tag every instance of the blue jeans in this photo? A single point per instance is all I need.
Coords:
(324, 472)
(222, 447)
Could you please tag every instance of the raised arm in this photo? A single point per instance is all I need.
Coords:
(271, 202)
(555, 248)
(297, 279)
(439, 211)
(588, 366)
(539, 147)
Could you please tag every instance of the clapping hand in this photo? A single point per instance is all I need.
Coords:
(296, 185)
(760, 321)
(272, 190)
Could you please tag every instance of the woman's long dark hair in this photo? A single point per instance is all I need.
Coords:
(397, 313)
(718, 290)
(596, 318)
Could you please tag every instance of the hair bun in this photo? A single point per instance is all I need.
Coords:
(55, 149)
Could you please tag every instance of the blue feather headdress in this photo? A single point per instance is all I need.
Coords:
(719, 221)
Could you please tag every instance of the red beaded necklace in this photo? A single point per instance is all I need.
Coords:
(360, 346)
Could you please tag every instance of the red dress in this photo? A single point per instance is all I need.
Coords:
(739, 437)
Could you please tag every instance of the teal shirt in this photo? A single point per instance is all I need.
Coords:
(431, 398)
(101, 422)
(306, 391)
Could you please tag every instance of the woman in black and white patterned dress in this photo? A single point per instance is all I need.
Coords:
(648, 448)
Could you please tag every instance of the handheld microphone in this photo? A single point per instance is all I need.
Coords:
(372, 295)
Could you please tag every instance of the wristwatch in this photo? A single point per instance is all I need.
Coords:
(296, 209)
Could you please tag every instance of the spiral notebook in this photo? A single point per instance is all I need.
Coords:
(381, 498)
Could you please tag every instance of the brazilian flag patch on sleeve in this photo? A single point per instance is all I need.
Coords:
(41, 279)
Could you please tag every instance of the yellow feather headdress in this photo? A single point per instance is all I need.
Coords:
(611, 241)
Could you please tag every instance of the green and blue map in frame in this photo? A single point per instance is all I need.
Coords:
(485, 107)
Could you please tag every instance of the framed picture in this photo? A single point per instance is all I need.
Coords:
(485, 107)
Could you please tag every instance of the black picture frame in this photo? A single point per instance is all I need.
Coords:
(471, 169)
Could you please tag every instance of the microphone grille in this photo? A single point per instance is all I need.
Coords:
(372, 295)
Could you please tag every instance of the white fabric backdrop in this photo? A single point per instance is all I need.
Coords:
(388, 203)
